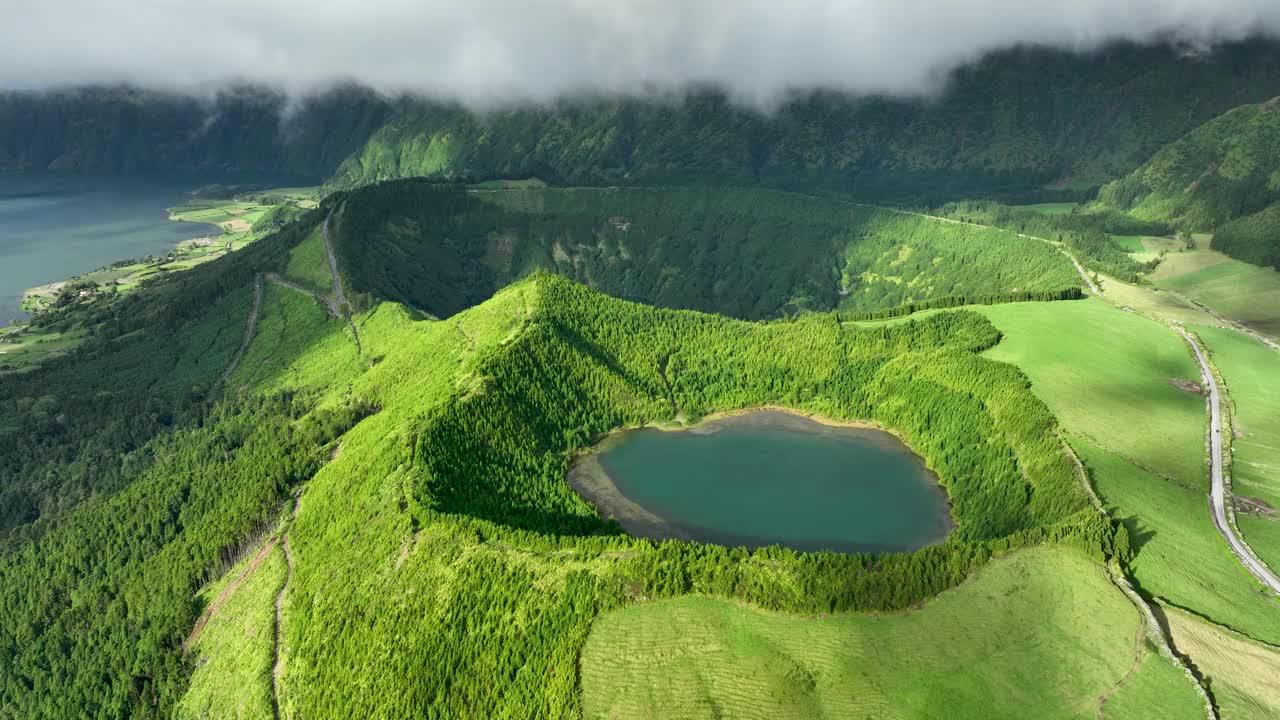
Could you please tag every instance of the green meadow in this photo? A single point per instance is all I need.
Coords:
(1246, 293)
(309, 265)
(1040, 629)
(1052, 208)
(1106, 375)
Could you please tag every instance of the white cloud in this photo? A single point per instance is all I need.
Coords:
(487, 51)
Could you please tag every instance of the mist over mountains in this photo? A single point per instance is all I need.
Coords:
(498, 52)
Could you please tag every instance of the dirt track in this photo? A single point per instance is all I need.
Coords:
(226, 593)
(250, 324)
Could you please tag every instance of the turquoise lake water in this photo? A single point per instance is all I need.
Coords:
(774, 478)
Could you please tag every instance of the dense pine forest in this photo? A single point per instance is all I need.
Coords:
(436, 451)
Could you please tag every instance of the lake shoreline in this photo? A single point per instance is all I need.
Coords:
(591, 481)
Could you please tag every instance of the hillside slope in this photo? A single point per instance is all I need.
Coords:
(240, 130)
(745, 253)
(1253, 238)
(1007, 123)
(1223, 170)
(435, 537)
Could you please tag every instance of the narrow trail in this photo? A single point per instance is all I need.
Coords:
(1139, 654)
(327, 301)
(278, 649)
(250, 324)
(226, 592)
(333, 263)
(342, 306)
(1163, 642)
(1148, 625)
(1218, 494)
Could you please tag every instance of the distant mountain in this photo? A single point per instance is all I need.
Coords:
(125, 130)
(1011, 122)
(1223, 177)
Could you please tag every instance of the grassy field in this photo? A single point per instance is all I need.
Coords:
(235, 650)
(1131, 243)
(309, 265)
(1105, 373)
(1181, 559)
(1237, 290)
(1041, 629)
(1250, 371)
(22, 348)
(296, 344)
(1149, 247)
(1050, 208)
(1241, 673)
(1153, 301)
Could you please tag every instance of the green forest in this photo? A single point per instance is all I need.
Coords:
(746, 253)
(324, 475)
(436, 450)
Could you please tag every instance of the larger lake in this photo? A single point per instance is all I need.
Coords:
(764, 478)
(53, 227)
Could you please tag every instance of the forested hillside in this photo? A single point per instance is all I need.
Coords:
(1223, 170)
(128, 131)
(746, 253)
(1007, 123)
(1253, 238)
(452, 440)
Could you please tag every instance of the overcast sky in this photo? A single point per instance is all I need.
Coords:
(481, 51)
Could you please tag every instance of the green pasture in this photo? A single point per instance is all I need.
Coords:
(1041, 629)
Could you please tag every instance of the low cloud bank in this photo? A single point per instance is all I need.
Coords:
(488, 52)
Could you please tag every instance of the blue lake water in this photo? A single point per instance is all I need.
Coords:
(53, 227)
(771, 477)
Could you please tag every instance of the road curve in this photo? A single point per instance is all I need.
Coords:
(1218, 494)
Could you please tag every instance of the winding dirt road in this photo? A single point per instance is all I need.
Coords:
(333, 263)
(339, 297)
(277, 668)
(1218, 494)
(325, 300)
(250, 324)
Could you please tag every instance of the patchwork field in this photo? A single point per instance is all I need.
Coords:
(1041, 629)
